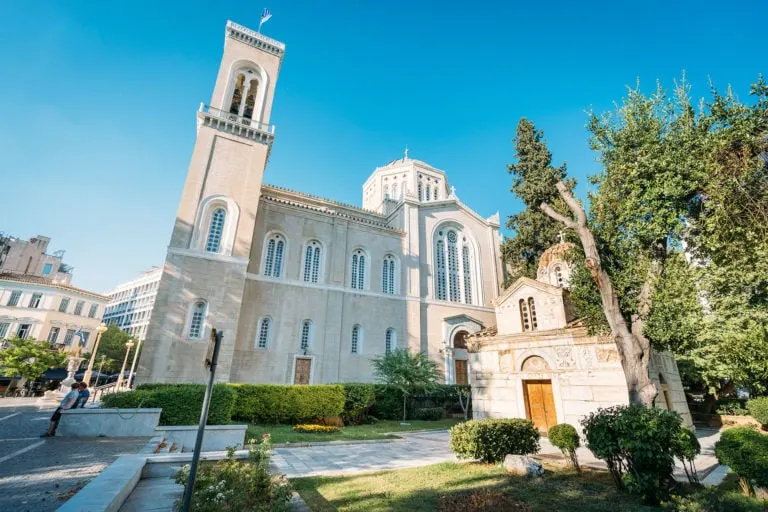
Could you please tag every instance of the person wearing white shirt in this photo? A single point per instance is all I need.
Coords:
(66, 403)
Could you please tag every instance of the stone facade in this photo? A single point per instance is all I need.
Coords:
(541, 364)
(307, 289)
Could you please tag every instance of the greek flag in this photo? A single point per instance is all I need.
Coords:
(80, 334)
(264, 17)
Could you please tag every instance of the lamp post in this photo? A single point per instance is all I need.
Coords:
(99, 330)
(101, 365)
(128, 346)
(133, 365)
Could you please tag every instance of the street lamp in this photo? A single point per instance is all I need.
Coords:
(101, 365)
(99, 330)
(128, 346)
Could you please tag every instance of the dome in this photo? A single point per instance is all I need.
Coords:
(553, 268)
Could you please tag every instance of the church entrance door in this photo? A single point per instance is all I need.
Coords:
(302, 371)
(540, 404)
(461, 371)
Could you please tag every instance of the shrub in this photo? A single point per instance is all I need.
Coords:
(637, 445)
(758, 409)
(388, 403)
(268, 403)
(491, 440)
(358, 399)
(127, 400)
(712, 499)
(686, 447)
(238, 485)
(565, 437)
(312, 429)
(181, 404)
(730, 407)
(745, 451)
(429, 414)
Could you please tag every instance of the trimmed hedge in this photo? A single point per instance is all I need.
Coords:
(181, 403)
(269, 403)
(491, 440)
(358, 399)
(758, 409)
(745, 451)
(429, 414)
(389, 400)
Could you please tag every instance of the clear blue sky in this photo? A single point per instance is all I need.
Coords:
(99, 99)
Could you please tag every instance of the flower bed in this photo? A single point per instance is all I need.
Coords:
(316, 429)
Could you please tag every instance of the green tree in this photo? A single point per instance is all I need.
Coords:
(29, 358)
(675, 241)
(406, 370)
(112, 345)
(533, 181)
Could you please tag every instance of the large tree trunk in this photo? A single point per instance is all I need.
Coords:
(634, 349)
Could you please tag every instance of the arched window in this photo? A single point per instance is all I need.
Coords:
(429, 190)
(390, 340)
(312, 254)
(388, 275)
(525, 317)
(532, 309)
(437, 192)
(421, 189)
(273, 258)
(386, 191)
(394, 191)
(455, 273)
(306, 334)
(559, 276)
(197, 319)
(263, 336)
(237, 94)
(356, 335)
(460, 339)
(440, 263)
(250, 98)
(213, 242)
(466, 270)
(358, 270)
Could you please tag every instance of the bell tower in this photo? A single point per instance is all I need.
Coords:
(205, 267)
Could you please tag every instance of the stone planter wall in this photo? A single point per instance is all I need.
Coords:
(216, 438)
(108, 422)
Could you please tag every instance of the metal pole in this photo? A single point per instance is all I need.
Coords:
(133, 365)
(201, 426)
(99, 331)
(128, 347)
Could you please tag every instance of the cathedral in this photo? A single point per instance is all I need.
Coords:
(306, 290)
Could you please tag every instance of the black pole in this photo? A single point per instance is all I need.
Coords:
(201, 426)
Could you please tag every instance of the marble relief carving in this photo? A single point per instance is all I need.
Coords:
(565, 357)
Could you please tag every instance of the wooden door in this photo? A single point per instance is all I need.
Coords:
(540, 404)
(461, 371)
(302, 371)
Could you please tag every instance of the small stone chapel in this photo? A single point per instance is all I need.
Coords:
(540, 363)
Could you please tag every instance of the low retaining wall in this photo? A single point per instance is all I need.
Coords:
(108, 422)
(216, 438)
(108, 491)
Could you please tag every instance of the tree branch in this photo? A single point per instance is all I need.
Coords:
(570, 223)
(573, 204)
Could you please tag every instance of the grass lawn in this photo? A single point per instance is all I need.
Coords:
(379, 430)
(421, 489)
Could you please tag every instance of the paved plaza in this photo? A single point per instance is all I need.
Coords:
(38, 475)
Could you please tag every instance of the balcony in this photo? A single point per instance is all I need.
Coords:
(235, 124)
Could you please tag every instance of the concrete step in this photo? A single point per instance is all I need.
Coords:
(152, 446)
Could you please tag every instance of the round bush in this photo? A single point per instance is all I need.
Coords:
(745, 451)
(491, 440)
(564, 436)
(637, 445)
(758, 409)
